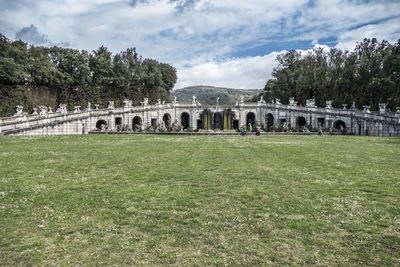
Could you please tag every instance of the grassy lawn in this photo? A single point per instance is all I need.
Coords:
(199, 200)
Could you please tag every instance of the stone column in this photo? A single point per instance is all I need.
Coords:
(242, 117)
(112, 122)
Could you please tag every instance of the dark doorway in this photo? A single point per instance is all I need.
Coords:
(167, 120)
(251, 119)
(199, 124)
(101, 124)
(154, 123)
(339, 125)
(269, 121)
(301, 121)
(236, 124)
(136, 123)
(321, 122)
(185, 120)
(218, 121)
(118, 121)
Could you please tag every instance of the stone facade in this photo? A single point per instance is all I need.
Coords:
(269, 116)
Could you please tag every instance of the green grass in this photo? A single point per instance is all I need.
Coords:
(199, 200)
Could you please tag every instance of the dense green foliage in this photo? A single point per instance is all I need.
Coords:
(207, 95)
(76, 77)
(103, 200)
(369, 75)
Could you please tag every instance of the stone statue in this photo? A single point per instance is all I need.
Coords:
(43, 111)
(277, 101)
(194, 100)
(127, 103)
(110, 104)
(62, 109)
(89, 108)
(353, 106)
(292, 102)
(328, 104)
(77, 109)
(145, 101)
(250, 127)
(310, 103)
(175, 100)
(159, 101)
(18, 111)
(382, 108)
(366, 109)
(218, 101)
(241, 98)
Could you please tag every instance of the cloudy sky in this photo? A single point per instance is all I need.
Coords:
(230, 43)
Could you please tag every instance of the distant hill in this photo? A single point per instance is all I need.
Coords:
(207, 95)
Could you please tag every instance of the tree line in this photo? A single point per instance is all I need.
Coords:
(369, 75)
(77, 77)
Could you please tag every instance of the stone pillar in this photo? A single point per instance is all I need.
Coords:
(242, 117)
(111, 124)
(292, 117)
(276, 117)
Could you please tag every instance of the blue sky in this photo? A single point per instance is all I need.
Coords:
(230, 43)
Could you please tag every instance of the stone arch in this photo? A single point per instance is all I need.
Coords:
(251, 119)
(136, 123)
(269, 121)
(301, 121)
(185, 120)
(167, 120)
(218, 121)
(339, 124)
(101, 124)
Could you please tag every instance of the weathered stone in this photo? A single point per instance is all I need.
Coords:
(183, 116)
(18, 111)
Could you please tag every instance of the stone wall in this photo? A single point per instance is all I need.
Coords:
(274, 115)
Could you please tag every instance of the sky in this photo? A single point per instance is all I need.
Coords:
(227, 43)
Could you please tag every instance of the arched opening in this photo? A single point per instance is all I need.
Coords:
(185, 120)
(339, 125)
(269, 121)
(251, 120)
(167, 120)
(118, 121)
(218, 121)
(321, 122)
(301, 121)
(136, 123)
(101, 124)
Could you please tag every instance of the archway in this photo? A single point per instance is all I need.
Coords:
(269, 121)
(185, 120)
(339, 125)
(101, 124)
(167, 120)
(251, 119)
(136, 123)
(218, 121)
(301, 121)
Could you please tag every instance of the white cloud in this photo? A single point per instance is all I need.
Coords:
(202, 33)
(388, 30)
(249, 72)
